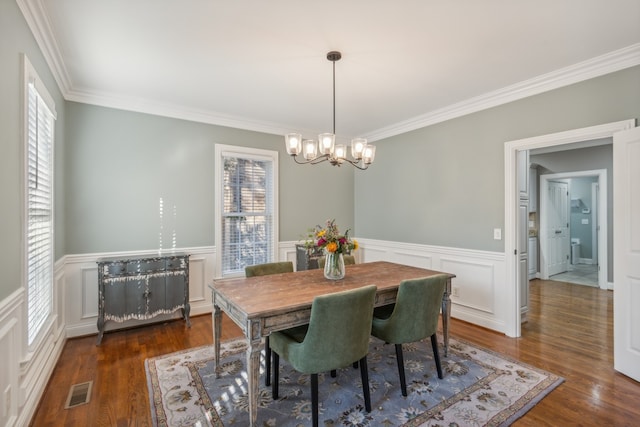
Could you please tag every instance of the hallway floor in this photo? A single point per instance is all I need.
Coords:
(580, 274)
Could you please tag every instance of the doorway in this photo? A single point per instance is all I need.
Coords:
(512, 221)
(585, 247)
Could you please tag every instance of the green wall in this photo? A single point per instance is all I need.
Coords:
(120, 163)
(15, 39)
(440, 185)
(443, 185)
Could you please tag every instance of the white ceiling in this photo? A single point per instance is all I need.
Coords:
(262, 65)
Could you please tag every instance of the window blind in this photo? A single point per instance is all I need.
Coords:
(247, 213)
(39, 180)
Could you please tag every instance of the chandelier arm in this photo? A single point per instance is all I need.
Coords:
(319, 159)
(356, 165)
(313, 161)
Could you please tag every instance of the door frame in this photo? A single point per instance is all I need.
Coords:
(595, 225)
(601, 214)
(511, 148)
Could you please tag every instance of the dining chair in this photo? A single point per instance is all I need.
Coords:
(337, 335)
(413, 317)
(348, 260)
(264, 270)
(268, 268)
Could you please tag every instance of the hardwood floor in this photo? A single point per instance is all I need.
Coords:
(569, 332)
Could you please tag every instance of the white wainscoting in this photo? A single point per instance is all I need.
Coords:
(10, 331)
(287, 252)
(479, 282)
(24, 370)
(480, 275)
(81, 296)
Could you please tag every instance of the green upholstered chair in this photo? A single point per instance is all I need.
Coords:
(413, 317)
(269, 268)
(337, 336)
(348, 260)
(264, 270)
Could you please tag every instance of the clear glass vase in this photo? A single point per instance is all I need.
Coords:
(333, 265)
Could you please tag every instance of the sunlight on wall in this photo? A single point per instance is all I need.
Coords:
(174, 219)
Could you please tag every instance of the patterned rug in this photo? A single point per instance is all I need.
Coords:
(480, 388)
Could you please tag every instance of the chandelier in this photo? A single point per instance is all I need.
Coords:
(325, 148)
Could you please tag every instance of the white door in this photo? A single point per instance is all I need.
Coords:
(557, 231)
(626, 248)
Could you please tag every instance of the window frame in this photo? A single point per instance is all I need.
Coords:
(222, 151)
(32, 339)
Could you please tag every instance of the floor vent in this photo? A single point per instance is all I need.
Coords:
(79, 394)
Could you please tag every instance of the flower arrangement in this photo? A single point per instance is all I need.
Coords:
(330, 239)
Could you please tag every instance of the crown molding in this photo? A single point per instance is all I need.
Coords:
(37, 20)
(175, 111)
(595, 67)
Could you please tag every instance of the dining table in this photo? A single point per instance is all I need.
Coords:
(260, 305)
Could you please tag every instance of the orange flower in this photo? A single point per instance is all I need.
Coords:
(331, 247)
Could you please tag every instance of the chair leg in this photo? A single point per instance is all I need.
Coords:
(267, 357)
(364, 374)
(276, 375)
(400, 360)
(436, 355)
(314, 399)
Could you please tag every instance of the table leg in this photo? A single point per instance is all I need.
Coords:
(216, 320)
(446, 315)
(253, 370)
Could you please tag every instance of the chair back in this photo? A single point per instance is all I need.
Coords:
(415, 315)
(268, 268)
(339, 330)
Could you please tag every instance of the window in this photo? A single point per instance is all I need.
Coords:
(246, 214)
(39, 136)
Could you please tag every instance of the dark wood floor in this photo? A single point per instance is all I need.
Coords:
(569, 332)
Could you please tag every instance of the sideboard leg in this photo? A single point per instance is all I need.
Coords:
(185, 313)
(100, 330)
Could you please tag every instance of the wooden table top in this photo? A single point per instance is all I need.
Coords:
(280, 293)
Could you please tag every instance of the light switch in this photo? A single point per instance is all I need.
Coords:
(585, 221)
(497, 234)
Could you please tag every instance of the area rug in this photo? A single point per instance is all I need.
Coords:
(480, 388)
